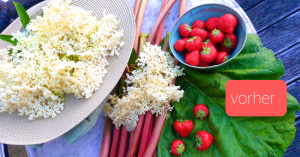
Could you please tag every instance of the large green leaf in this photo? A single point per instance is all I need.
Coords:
(22, 13)
(233, 136)
(8, 38)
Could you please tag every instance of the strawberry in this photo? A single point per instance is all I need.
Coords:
(216, 36)
(203, 64)
(208, 34)
(201, 111)
(185, 39)
(192, 58)
(204, 140)
(212, 23)
(177, 147)
(224, 49)
(194, 43)
(180, 45)
(185, 30)
(218, 47)
(208, 42)
(222, 57)
(183, 128)
(208, 54)
(230, 41)
(227, 23)
(199, 32)
(198, 24)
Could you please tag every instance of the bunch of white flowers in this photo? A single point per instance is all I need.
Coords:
(62, 52)
(149, 88)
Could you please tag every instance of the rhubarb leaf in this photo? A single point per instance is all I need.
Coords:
(8, 38)
(25, 19)
(233, 136)
(133, 57)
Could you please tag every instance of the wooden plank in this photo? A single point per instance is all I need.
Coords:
(294, 90)
(294, 149)
(282, 35)
(291, 61)
(248, 4)
(269, 12)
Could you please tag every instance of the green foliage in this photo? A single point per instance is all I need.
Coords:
(22, 14)
(122, 85)
(233, 136)
(133, 57)
(8, 38)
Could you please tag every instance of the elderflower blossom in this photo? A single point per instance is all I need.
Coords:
(63, 52)
(150, 88)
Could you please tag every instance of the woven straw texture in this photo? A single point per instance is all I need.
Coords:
(18, 130)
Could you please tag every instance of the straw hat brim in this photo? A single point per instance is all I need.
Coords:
(18, 130)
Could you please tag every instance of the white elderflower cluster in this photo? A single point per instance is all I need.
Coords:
(149, 88)
(62, 52)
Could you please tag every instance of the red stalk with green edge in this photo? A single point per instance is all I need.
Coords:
(139, 22)
(145, 135)
(136, 8)
(159, 20)
(123, 142)
(161, 27)
(115, 142)
(107, 135)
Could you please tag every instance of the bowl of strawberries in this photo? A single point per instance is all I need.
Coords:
(208, 36)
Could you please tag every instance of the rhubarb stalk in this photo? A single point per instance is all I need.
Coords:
(104, 152)
(145, 135)
(161, 27)
(182, 7)
(136, 8)
(139, 22)
(123, 142)
(159, 20)
(115, 142)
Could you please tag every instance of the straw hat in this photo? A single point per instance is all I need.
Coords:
(18, 130)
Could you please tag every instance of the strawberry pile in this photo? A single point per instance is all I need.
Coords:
(208, 43)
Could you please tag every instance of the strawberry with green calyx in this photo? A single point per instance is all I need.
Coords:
(180, 45)
(200, 33)
(194, 43)
(183, 127)
(201, 111)
(192, 58)
(185, 30)
(177, 148)
(227, 23)
(230, 41)
(222, 57)
(203, 140)
(212, 23)
(208, 42)
(198, 24)
(208, 54)
(216, 36)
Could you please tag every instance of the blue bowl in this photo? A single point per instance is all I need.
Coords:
(204, 12)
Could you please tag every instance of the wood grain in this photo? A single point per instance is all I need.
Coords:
(248, 4)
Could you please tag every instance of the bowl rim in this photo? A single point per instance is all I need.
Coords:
(212, 66)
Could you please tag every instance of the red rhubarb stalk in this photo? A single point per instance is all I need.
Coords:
(159, 20)
(182, 7)
(161, 27)
(107, 135)
(145, 135)
(123, 142)
(136, 8)
(139, 22)
(137, 136)
(131, 136)
(115, 142)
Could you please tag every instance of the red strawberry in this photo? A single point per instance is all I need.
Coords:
(216, 36)
(222, 57)
(227, 23)
(198, 24)
(230, 41)
(212, 23)
(185, 30)
(201, 111)
(183, 128)
(204, 140)
(224, 49)
(180, 45)
(208, 43)
(208, 54)
(203, 64)
(218, 47)
(199, 32)
(194, 43)
(185, 39)
(192, 58)
(177, 147)
(208, 34)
